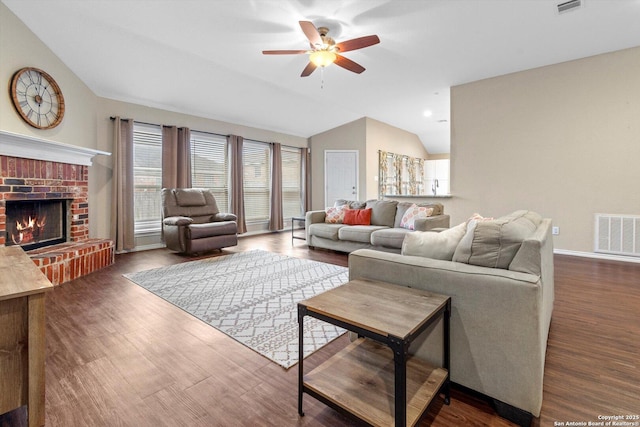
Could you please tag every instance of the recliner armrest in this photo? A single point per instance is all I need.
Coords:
(177, 220)
(224, 216)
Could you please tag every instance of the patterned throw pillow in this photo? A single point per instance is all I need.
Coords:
(477, 217)
(414, 212)
(334, 215)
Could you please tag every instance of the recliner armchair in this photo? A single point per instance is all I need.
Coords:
(192, 222)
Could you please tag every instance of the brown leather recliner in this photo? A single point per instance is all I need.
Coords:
(192, 223)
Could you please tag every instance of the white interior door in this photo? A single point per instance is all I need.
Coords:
(340, 175)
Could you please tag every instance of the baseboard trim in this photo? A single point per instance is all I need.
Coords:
(608, 257)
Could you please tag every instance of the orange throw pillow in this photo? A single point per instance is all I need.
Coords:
(357, 216)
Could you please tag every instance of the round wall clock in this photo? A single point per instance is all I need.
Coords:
(37, 98)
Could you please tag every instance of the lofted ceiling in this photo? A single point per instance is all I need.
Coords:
(203, 57)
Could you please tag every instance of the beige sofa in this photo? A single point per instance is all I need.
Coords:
(500, 316)
(384, 233)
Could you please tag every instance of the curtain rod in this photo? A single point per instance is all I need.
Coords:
(112, 118)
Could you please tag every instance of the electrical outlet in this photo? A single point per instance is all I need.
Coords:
(555, 230)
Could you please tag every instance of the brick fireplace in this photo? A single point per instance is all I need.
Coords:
(35, 170)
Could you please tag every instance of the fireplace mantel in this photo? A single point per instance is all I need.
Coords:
(30, 147)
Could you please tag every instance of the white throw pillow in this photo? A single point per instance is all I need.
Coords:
(430, 244)
(414, 212)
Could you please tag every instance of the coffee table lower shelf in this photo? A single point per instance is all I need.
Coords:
(360, 380)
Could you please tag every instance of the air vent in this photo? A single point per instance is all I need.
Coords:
(569, 5)
(617, 234)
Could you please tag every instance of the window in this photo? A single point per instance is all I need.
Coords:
(400, 174)
(256, 158)
(291, 182)
(210, 166)
(147, 177)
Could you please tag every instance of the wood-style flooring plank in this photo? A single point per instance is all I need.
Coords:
(119, 355)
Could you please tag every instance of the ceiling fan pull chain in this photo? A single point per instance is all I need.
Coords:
(321, 77)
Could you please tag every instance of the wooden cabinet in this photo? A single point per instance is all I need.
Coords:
(22, 342)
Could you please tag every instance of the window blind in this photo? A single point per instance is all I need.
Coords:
(256, 158)
(291, 182)
(147, 177)
(210, 166)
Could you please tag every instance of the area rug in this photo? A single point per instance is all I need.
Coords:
(252, 297)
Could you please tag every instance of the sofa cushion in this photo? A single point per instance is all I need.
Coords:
(389, 237)
(189, 197)
(334, 215)
(413, 213)
(328, 231)
(434, 245)
(357, 216)
(358, 233)
(495, 243)
(352, 204)
(438, 209)
(383, 212)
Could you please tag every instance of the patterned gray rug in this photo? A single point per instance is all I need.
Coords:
(252, 297)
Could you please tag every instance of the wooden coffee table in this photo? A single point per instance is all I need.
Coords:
(375, 379)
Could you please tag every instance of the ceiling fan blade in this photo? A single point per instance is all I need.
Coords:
(283, 52)
(358, 43)
(348, 64)
(310, 68)
(311, 32)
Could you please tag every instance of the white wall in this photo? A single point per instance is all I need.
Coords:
(562, 140)
(350, 136)
(367, 136)
(86, 122)
(384, 137)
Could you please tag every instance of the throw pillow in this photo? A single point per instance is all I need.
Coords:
(334, 215)
(477, 217)
(383, 212)
(414, 212)
(351, 204)
(357, 216)
(495, 243)
(433, 245)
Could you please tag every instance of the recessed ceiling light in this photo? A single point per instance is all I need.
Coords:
(427, 113)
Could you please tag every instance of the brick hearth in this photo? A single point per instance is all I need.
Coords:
(29, 179)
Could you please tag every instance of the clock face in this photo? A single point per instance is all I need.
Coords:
(37, 98)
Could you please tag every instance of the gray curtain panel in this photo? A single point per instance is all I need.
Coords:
(237, 181)
(122, 215)
(176, 157)
(276, 219)
(305, 157)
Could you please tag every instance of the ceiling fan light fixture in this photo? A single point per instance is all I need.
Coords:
(322, 58)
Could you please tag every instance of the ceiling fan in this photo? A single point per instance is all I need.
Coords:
(325, 51)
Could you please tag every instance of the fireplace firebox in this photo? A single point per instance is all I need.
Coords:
(34, 224)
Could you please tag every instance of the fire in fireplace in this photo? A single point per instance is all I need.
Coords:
(34, 224)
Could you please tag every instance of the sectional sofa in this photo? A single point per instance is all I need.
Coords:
(383, 233)
(499, 275)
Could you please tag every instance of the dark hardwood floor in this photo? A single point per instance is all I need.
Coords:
(118, 355)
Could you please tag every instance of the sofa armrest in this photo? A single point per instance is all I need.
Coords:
(426, 224)
(314, 217)
(177, 220)
(224, 216)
